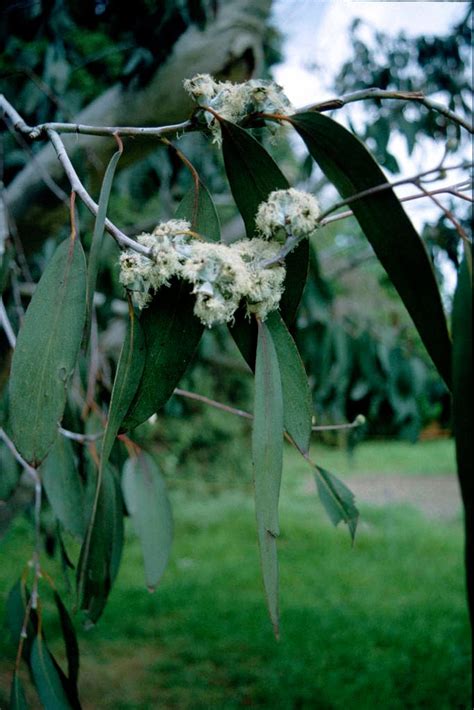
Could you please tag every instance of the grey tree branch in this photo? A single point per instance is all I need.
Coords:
(80, 190)
(374, 93)
(455, 190)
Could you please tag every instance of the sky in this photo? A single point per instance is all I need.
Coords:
(316, 43)
(316, 32)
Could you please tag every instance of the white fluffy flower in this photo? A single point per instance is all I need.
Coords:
(234, 102)
(222, 276)
(287, 212)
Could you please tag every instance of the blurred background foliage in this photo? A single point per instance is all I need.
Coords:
(360, 349)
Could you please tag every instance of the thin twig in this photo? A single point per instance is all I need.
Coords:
(374, 93)
(6, 325)
(82, 193)
(358, 421)
(10, 445)
(80, 438)
(454, 190)
(413, 180)
(446, 211)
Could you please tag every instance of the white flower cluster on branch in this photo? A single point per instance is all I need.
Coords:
(234, 102)
(222, 276)
(288, 213)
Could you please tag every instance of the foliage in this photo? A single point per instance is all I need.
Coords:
(62, 384)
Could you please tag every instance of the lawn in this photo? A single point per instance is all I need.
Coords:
(380, 624)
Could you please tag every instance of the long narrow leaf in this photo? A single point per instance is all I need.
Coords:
(101, 549)
(172, 333)
(46, 678)
(46, 352)
(17, 694)
(63, 486)
(337, 499)
(297, 405)
(267, 455)
(127, 378)
(197, 206)
(252, 175)
(70, 641)
(147, 502)
(462, 406)
(351, 168)
(96, 244)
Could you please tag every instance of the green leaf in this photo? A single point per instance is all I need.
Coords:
(9, 472)
(63, 486)
(127, 378)
(197, 207)
(337, 499)
(462, 404)
(94, 254)
(251, 171)
(100, 553)
(297, 404)
(15, 612)
(253, 175)
(146, 498)
(267, 455)
(17, 694)
(46, 678)
(172, 333)
(46, 352)
(348, 164)
(70, 641)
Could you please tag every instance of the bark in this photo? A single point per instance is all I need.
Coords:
(230, 47)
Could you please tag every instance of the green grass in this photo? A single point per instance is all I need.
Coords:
(382, 624)
(400, 457)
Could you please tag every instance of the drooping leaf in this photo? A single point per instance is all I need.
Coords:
(462, 406)
(127, 378)
(97, 236)
(251, 171)
(100, 553)
(46, 352)
(197, 207)
(9, 472)
(70, 641)
(15, 614)
(252, 175)
(172, 333)
(337, 499)
(17, 694)
(147, 502)
(297, 405)
(267, 455)
(351, 168)
(63, 486)
(46, 678)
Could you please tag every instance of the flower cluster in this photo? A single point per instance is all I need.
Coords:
(236, 101)
(222, 276)
(287, 213)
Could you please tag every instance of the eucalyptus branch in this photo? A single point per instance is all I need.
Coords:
(358, 421)
(446, 211)
(11, 446)
(374, 93)
(80, 190)
(6, 325)
(455, 190)
(413, 180)
(80, 438)
(42, 129)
